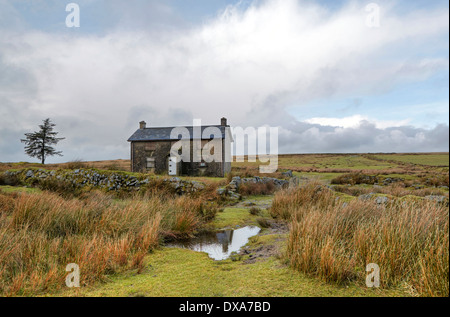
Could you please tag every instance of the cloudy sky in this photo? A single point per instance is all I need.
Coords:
(320, 71)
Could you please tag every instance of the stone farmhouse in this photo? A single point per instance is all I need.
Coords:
(151, 150)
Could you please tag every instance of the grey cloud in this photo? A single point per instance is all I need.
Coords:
(363, 139)
(15, 80)
(11, 150)
(17, 87)
(248, 66)
(155, 116)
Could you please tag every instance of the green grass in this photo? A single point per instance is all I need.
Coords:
(239, 215)
(324, 161)
(203, 179)
(440, 159)
(181, 272)
(403, 176)
(232, 217)
(266, 239)
(344, 197)
(259, 198)
(12, 189)
(327, 177)
(356, 162)
(172, 272)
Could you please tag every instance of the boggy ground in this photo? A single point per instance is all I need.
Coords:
(258, 270)
(261, 268)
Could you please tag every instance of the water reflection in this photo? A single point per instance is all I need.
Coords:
(219, 245)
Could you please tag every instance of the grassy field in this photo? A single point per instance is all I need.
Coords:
(320, 164)
(439, 159)
(408, 239)
(112, 165)
(314, 241)
(178, 272)
(327, 166)
(323, 161)
(41, 232)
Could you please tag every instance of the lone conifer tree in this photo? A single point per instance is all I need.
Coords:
(39, 144)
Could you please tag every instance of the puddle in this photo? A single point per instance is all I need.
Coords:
(220, 244)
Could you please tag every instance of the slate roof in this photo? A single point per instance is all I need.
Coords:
(163, 134)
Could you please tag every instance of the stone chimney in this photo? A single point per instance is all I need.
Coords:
(223, 122)
(142, 125)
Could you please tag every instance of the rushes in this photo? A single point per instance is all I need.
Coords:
(249, 189)
(287, 203)
(41, 233)
(408, 240)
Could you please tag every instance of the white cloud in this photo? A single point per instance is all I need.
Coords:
(307, 138)
(246, 64)
(356, 120)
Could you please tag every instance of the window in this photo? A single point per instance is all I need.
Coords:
(150, 162)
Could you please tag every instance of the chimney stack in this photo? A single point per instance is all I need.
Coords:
(142, 125)
(223, 122)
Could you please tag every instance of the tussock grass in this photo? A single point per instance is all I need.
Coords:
(428, 159)
(76, 164)
(263, 222)
(252, 189)
(255, 211)
(354, 178)
(396, 190)
(435, 179)
(249, 169)
(409, 240)
(9, 180)
(41, 233)
(286, 202)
